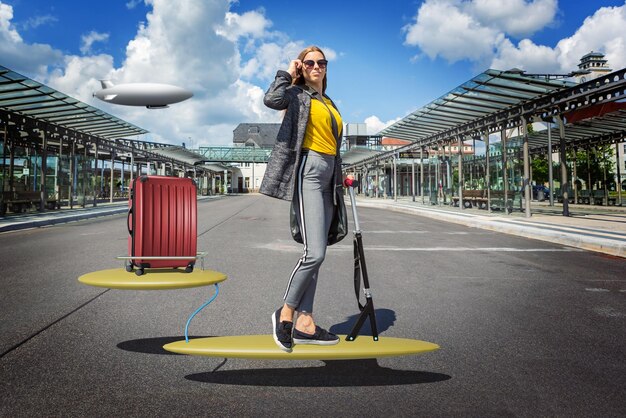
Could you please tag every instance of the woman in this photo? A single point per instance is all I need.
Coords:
(305, 167)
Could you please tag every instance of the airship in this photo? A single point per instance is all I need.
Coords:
(150, 95)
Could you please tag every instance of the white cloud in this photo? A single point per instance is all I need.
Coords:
(36, 21)
(375, 125)
(481, 30)
(443, 29)
(132, 4)
(252, 24)
(268, 58)
(30, 59)
(604, 32)
(514, 17)
(601, 32)
(527, 56)
(473, 29)
(88, 40)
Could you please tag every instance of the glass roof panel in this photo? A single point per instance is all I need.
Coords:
(486, 93)
(25, 96)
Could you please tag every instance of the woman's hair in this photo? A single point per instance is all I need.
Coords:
(299, 80)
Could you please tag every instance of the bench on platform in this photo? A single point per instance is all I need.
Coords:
(478, 198)
(18, 202)
(497, 200)
(472, 198)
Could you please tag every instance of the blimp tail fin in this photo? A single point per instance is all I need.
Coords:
(106, 84)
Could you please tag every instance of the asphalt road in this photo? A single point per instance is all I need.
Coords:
(526, 328)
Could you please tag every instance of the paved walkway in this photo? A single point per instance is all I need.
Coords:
(601, 229)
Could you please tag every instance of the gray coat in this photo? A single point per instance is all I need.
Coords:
(280, 173)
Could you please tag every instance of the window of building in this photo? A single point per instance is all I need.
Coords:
(253, 130)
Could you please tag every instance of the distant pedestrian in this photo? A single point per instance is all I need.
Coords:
(304, 166)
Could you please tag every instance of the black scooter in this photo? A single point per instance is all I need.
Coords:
(360, 269)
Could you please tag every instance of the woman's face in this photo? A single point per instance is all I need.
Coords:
(314, 73)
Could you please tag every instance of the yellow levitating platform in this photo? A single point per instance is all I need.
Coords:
(156, 279)
(264, 347)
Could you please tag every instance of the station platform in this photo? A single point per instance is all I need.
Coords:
(594, 228)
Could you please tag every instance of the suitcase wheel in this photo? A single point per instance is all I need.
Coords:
(189, 268)
(139, 271)
(129, 267)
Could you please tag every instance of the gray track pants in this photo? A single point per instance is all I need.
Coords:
(313, 198)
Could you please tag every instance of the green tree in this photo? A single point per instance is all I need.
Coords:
(593, 163)
(540, 169)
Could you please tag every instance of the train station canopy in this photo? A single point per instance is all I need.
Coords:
(487, 93)
(495, 100)
(180, 154)
(24, 96)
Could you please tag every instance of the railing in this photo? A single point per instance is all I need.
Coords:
(236, 154)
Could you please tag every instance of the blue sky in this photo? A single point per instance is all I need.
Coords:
(388, 58)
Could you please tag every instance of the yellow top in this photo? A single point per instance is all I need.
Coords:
(319, 131)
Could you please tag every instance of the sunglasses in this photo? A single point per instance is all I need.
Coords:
(320, 63)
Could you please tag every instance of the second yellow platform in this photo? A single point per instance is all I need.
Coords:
(155, 279)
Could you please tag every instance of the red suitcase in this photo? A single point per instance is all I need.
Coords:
(162, 222)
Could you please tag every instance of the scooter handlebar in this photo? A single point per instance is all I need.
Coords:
(350, 183)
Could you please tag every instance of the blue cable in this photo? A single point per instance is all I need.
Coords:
(217, 291)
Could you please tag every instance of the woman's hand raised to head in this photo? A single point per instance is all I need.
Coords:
(295, 68)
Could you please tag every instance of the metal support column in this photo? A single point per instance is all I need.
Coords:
(487, 172)
(84, 170)
(95, 176)
(589, 186)
(413, 178)
(550, 176)
(377, 184)
(43, 194)
(422, 173)
(394, 183)
(505, 175)
(438, 184)
(4, 164)
(575, 176)
(111, 176)
(563, 160)
(57, 184)
(71, 173)
(461, 178)
(132, 166)
(430, 183)
(619, 175)
(605, 188)
(526, 180)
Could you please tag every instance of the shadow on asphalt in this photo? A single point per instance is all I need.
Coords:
(154, 345)
(385, 318)
(336, 373)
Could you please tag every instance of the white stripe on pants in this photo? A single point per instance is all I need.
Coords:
(314, 199)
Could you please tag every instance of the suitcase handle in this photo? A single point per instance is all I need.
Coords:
(130, 212)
